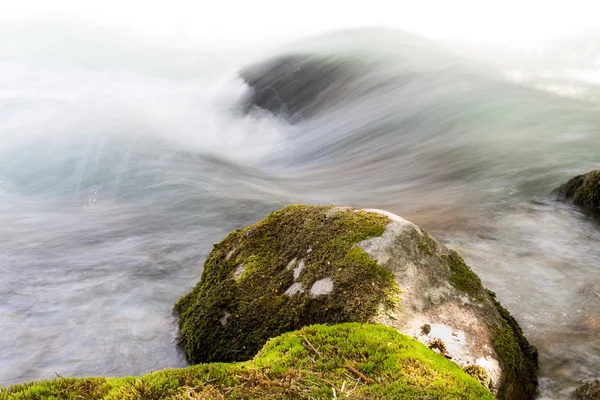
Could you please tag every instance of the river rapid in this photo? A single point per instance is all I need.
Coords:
(122, 164)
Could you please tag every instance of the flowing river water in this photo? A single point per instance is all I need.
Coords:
(120, 169)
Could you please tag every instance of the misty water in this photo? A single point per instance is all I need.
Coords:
(122, 163)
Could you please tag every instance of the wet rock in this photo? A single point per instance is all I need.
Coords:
(590, 390)
(364, 266)
(583, 190)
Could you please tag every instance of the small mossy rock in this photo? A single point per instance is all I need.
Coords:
(357, 266)
(583, 190)
(346, 361)
(590, 390)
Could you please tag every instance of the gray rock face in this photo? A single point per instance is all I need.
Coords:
(452, 301)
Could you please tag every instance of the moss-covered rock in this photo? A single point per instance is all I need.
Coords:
(583, 190)
(273, 277)
(347, 361)
(310, 264)
(520, 359)
(590, 390)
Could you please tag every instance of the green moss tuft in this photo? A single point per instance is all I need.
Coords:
(323, 239)
(438, 344)
(427, 245)
(520, 359)
(357, 361)
(479, 373)
(463, 278)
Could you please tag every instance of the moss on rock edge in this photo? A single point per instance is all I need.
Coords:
(357, 361)
(234, 309)
(584, 190)
(520, 359)
(479, 373)
(463, 278)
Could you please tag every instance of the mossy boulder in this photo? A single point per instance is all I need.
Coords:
(590, 390)
(583, 190)
(347, 361)
(306, 265)
(273, 277)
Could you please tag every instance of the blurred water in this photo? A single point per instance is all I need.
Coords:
(119, 169)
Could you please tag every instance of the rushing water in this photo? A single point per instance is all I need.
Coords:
(120, 168)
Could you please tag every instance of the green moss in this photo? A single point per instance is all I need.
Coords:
(479, 373)
(463, 278)
(64, 388)
(324, 239)
(520, 359)
(357, 361)
(427, 245)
